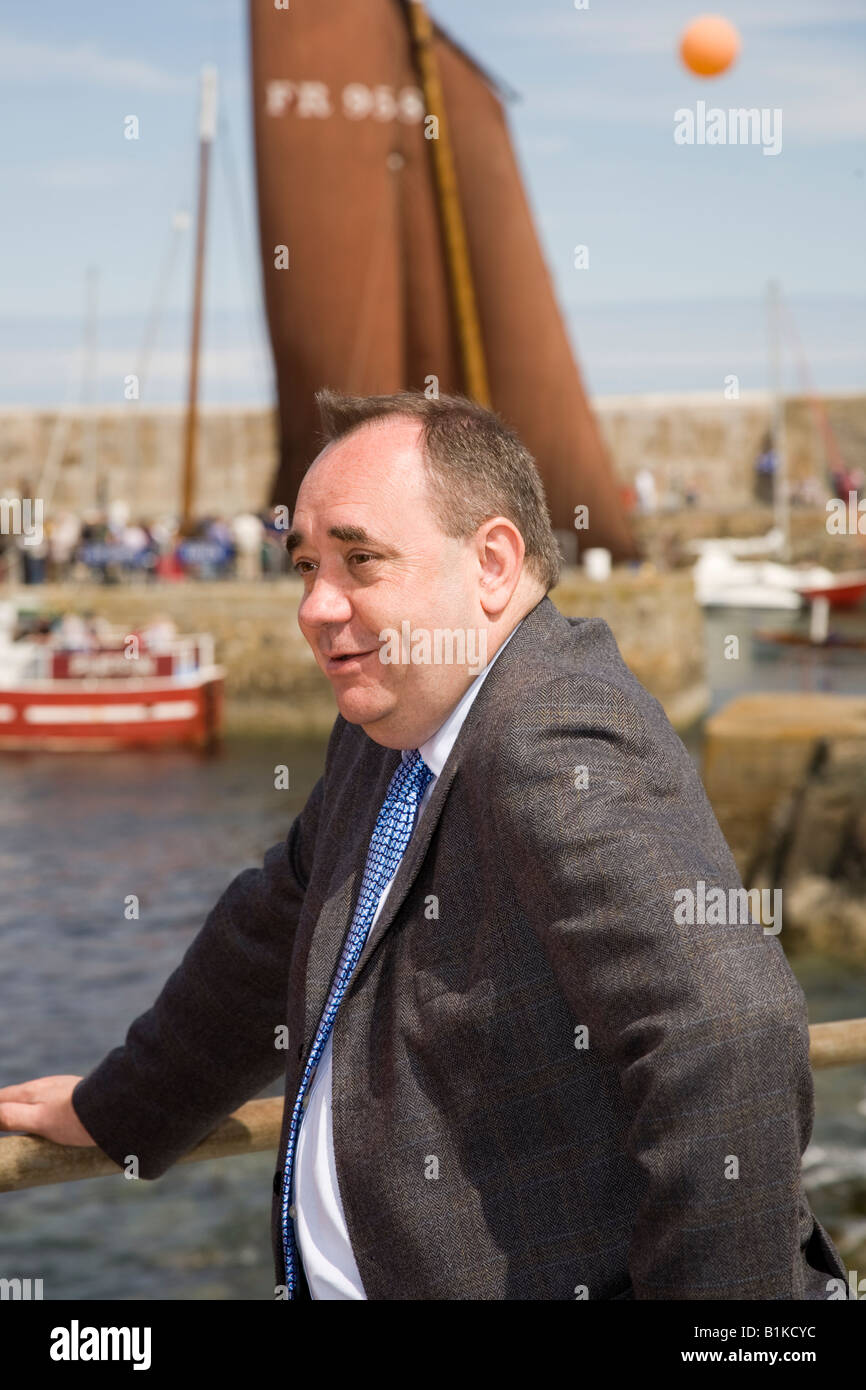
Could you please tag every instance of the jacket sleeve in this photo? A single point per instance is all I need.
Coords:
(705, 1024)
(208, 1043)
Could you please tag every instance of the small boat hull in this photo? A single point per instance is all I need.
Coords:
(846, 591)
(91, 715)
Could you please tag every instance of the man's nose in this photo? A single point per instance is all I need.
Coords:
(324, 602)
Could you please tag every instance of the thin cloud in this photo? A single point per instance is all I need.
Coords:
(225, 371)
(656, 28)
(28, 62)
(78, 175)
(822, 99)
(829, 101)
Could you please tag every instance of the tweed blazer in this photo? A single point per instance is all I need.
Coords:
(544, 1087)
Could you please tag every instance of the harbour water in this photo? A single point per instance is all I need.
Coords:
(78, 835)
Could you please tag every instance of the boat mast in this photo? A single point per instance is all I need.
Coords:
(207, 131)
(453, 227)
(90, 483)
(180, 223)
(781, 502)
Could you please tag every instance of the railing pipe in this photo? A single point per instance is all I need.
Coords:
(255, 1128)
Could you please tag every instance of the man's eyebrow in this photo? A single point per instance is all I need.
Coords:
(348, 534)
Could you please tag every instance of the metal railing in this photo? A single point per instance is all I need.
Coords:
(255, 1128)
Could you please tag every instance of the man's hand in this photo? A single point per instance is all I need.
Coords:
(44, 1107)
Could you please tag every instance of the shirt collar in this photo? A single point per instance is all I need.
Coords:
(436, 749)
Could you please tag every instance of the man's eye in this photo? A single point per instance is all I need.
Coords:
(363, 556)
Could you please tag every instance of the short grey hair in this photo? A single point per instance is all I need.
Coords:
(476, 467)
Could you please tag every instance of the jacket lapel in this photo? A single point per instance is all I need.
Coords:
(412, 858)
(335, 918)
(349, 840)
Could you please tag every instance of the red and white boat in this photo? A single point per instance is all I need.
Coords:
(843, 590)
(100, 688)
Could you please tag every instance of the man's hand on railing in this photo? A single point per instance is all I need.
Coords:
(44, 1107)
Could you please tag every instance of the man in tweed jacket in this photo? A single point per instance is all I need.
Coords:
(545, 1085)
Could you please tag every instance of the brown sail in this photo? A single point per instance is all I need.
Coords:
(356, 283)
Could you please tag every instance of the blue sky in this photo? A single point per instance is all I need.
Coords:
(682, 238)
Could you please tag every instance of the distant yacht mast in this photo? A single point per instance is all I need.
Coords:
(207, 131)
(781, 500)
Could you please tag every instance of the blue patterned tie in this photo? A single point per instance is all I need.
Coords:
(391, 835)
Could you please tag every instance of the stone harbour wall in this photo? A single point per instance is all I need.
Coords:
(786, 776)
(129, 452)
(273, 683)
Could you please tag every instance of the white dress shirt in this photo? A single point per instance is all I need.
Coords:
(321, 1234)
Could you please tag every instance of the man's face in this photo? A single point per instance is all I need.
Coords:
(359, 588)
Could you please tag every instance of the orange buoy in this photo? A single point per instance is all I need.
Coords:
(709, 45)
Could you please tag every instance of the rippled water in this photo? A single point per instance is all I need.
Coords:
(77, 835)
(772, 667)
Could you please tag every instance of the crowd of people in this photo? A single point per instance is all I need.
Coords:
(806, 492)
(110, 547)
